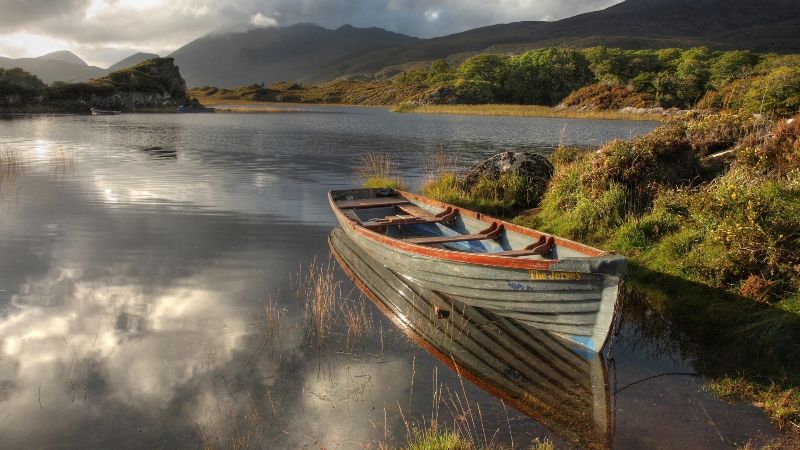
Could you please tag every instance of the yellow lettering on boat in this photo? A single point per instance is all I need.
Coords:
(557, 276)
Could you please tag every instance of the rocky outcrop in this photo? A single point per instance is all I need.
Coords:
(534, 168)
(444, 95)
(155, 83)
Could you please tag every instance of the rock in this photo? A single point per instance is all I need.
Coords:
(534, 168)
(444, 95)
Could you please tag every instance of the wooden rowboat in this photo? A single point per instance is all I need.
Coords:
(104, 112)
(550, 379)
(548, 282)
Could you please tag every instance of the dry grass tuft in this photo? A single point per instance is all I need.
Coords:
(378, 170)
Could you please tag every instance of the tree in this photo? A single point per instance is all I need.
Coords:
(490, 68)
(474, 91)
(440, 72)
(19, 82)
(732, 65)
(692, 74)
(546, 76)
(777, 93)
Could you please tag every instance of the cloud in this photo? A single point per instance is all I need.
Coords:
(262, 21)
(100, 30)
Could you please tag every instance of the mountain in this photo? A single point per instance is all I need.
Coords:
(64, 56)
(276, 54)
(50, 70)
(131, 61)
(67, 66)
(760, 25)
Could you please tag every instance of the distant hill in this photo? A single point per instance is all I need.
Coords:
(131, 61)
(66, 66)
(64, 56)
(50, 70)
(761, 25)
(276, 54)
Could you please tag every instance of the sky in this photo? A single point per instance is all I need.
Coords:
(105, 31)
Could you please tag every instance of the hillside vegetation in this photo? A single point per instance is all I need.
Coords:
(593, 79)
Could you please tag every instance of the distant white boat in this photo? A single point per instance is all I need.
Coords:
(105, 112)
(194, 109)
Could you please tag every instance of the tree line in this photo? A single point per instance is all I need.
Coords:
(682, 78)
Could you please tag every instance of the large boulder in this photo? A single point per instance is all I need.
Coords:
(534, 168)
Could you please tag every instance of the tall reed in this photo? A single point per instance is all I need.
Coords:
(10, 167)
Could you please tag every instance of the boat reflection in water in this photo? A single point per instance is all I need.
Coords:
(557, 383)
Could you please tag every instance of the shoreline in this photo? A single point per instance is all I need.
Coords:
(522, 111)
(497, 110)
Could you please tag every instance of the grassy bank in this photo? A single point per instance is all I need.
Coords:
(520, 111)
(712, 239)
(707, 209)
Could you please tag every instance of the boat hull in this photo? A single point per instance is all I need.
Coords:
(549, 379)
(579, 306)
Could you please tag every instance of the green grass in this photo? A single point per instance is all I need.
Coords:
(502, 197)
(782, 404)
(439, 440)
(377, 182)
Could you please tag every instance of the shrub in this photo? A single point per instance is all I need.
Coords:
(473, 92)
(776, 153)
(643, 165)
(735, 229)
(777, 93)
(600, 96)
(716, 132)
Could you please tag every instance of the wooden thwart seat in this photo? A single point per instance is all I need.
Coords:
(541, 247)
(493, 232)
(447, 215)
(371, 202)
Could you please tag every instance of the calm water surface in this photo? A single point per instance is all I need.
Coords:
(148, 268)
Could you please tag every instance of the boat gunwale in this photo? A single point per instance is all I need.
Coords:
(485, 259)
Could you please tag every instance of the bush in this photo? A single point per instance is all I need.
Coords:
(776, 153)
(716, 132)
(600, 96)
(473, 92)
(740, 228)
(777, 93)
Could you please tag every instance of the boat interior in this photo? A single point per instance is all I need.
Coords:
(389, 212)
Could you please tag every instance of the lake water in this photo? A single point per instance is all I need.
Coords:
(148, 269)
